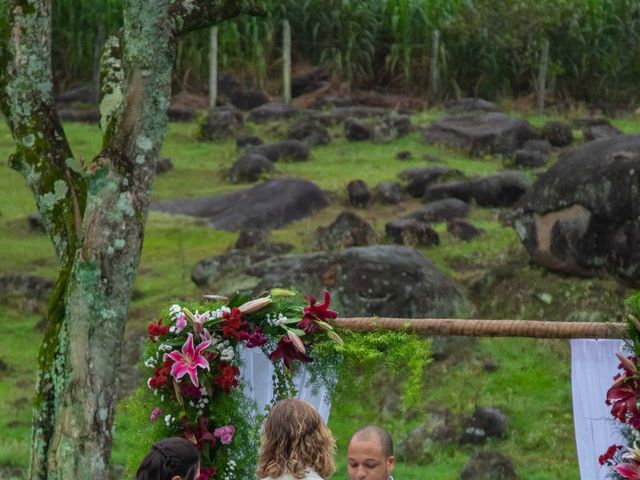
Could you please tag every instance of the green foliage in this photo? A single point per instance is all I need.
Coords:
(366, 354)
(488, 48)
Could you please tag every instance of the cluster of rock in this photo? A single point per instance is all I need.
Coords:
(582, 215)
(447, 196)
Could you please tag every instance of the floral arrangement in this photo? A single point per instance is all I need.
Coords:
(624, 399)
(193, 385)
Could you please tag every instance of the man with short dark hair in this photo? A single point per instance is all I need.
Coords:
(370, 454)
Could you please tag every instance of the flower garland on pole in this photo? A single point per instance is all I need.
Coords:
(192, 364)
(624, 399)
(194, 367)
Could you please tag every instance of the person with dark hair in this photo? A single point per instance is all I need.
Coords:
(370, 454)
(170, 459)
(295, 444)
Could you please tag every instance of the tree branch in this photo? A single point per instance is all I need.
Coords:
(42, 150)
(190, 15)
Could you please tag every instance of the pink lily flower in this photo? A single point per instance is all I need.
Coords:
(181, 322)
(630, 471)
(187, 362)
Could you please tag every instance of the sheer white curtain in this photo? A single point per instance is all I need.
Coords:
(593, 366)
(257, 372)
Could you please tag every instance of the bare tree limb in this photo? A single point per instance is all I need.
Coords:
(190, 15)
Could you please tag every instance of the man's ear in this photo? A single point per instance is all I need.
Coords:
(391, 461)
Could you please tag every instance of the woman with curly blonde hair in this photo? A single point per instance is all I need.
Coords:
(296, 444)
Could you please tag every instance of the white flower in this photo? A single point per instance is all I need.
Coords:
(227, 354)
(276, 322)
(168, 419)
(172, 329)
(150, 362)
(175, 309)
(203, 391)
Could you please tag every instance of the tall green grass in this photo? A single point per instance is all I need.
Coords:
(488, 47)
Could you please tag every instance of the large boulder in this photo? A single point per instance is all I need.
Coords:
(582, 215)
(309, 81)
(502, 189)
(409, 231)
(248, 98)
(309, 131)
(347, 230)
(270, 112)
(480, 134)
(221, 123)
(529, 159)
(381, 280)
(23, 285)
(488, 465)
(418, 179)
(559, 134)
(359, 193)
(486, 422)
(293, 150)
(269, 205)
(357, 131)
(250, 167)
(341, 114)
(463, 230)
(441, 210)
(388, 192)
(469, 105)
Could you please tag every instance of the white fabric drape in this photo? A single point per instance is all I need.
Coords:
(256, 374)
(593, 366)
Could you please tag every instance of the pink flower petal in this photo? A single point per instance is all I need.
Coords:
(175, 356)
(179, 369)
(187, 348)
(193, 375)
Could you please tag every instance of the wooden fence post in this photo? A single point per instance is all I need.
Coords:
(542, 75)
(433, 70)
(213, 67)
(286, 60)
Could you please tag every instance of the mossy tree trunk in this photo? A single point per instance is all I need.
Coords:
(95, 217)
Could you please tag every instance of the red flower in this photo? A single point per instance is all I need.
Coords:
(607, 456)
(190, 390)
(206, 473)
(160, 375)
(233, 326)
(227, 376)
(316, 311)
(256, 339)
(623, 398)
(157, 330)
(288, 353)
(198, 434)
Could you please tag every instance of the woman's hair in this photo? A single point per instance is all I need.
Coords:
(168, 458)
(295, 439)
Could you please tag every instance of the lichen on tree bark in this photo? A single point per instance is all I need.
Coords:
(95, 218)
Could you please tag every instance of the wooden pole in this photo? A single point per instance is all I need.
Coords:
(433, 70)
(486, 328)
(213, 67)
(542, 75)
(286, 61)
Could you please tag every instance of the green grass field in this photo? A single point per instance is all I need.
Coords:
(531, 383)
